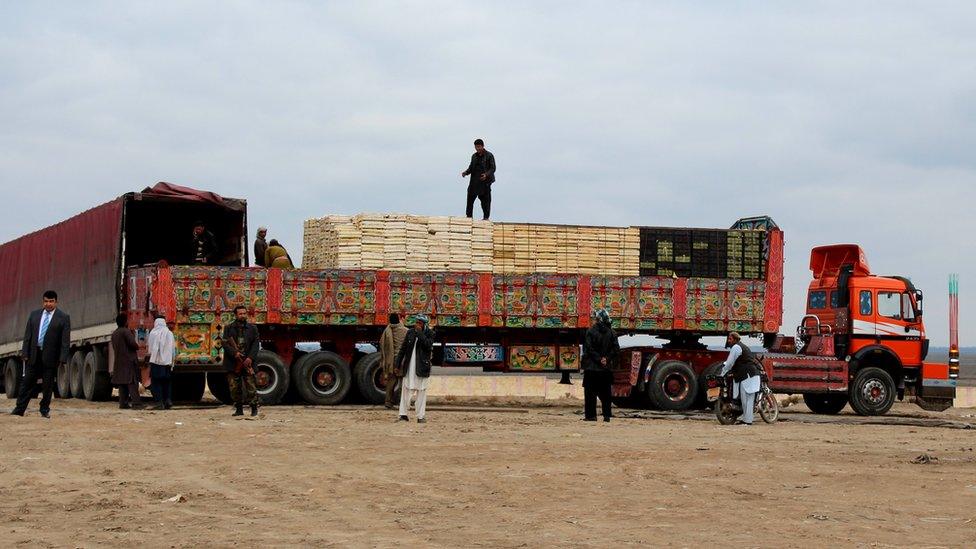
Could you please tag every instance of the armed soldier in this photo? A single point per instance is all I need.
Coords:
(241, 346)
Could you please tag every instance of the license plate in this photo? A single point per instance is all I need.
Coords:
(714, 392)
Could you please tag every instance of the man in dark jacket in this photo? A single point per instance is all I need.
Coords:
(260, 246)
(600, 351)
(46, 343)
(413, 365)
(125, 364)
(241, 346)
(203, 247)
(482, 172)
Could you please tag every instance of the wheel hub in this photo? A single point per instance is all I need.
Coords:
(874, 391)
(324, 379)
(675, 387)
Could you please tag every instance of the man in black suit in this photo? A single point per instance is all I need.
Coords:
(46, 344)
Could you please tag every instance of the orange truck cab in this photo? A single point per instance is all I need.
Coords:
(873, 325)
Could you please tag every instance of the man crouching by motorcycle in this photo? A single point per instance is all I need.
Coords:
(745, 372)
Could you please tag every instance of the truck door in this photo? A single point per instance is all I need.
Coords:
(897, 327)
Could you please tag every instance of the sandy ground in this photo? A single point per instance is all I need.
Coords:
(351, 476)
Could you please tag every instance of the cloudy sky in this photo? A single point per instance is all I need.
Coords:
(845, 122)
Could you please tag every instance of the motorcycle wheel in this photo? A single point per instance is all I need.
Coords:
(768, 407)
(725, 412)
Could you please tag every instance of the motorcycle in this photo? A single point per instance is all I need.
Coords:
(728, 409)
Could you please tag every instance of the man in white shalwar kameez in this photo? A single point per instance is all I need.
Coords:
(413, 363)
(745, 373)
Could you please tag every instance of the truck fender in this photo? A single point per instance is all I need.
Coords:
(644, 376)
(881, 357)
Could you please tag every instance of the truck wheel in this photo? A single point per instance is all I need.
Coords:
(95, 380)
(63, 380)
(712, 369)
(825, 403)
(75, 374)
(873, 392)
(188, 386)
(272, 377)
(673, 386)
(10, 376)
(369, 378)
(219, 388)
(322, 377)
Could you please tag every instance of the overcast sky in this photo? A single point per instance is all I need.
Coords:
(845, 122)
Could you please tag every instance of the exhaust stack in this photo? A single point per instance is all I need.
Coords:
(953, 326)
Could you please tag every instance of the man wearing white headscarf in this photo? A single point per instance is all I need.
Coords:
(413, 363)
(162, 353)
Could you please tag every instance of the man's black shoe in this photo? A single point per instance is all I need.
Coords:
(254, 410)
(239, 411)
(606, 419)
(46, 415)
(16, 413)
(124, 406)
(589, 419)
(403, 418)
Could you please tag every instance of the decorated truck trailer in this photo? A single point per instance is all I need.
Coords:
(693, 283)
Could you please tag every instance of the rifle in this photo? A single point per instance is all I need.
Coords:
(240, 364)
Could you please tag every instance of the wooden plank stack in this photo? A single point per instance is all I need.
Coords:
(439, 243)
(397, 243)
(535, 248)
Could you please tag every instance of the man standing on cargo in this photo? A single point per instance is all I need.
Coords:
(390, 343)
(482, 172)
(600, 351)
(413, 363)
(745, 373)
(46, 343)
(241, 346)
(204, 246)
(260, 246)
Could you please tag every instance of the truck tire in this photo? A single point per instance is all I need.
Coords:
(673, 386)
(11, 375)
(712, 369)
(219, 388)
(188, 386)
(95, 380)
(369, 378)
(322, 377)
(825, 403)
(76, 366)
(272, 377)
(63, 380)
(873, 392)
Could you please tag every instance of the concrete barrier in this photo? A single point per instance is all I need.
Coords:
(504, 386)
(549, 389)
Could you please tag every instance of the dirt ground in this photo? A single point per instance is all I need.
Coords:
(94, 475)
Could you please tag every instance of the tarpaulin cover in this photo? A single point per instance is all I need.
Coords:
(78, 258)
(170, 190)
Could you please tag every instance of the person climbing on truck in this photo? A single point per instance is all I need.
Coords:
(203, 246)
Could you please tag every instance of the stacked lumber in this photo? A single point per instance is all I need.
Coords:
(535, 248)
(398, 243)
(440, 243)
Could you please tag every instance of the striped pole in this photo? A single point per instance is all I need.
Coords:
(953, 326)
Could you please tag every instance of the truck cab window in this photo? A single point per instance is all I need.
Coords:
(889, 305)
(818, 300)
(834, 299)
(907, 310)
(866, 306)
